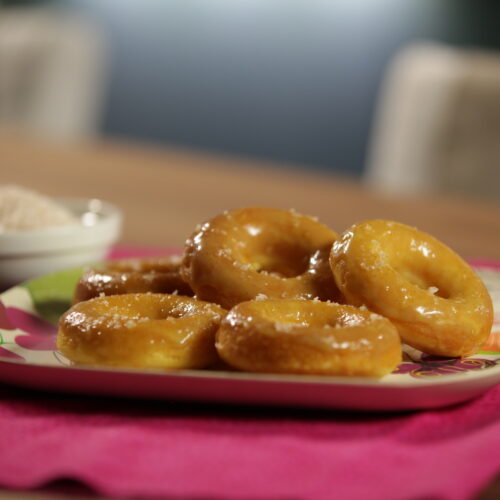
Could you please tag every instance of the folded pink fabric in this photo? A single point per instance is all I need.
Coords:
(158, 449)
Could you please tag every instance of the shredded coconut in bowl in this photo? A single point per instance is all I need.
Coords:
(22, 209)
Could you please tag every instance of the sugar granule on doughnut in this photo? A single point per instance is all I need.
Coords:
(308, 337)
(243, 253)
(141, 331)
(434, 298)
(115, 277)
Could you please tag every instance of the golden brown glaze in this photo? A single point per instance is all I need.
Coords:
(156, 275)
(308, 337)
(437, 302)
(141, 331)
(278, 253)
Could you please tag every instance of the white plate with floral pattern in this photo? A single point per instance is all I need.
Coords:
(28, 358)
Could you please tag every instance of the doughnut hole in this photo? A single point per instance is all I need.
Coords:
(308, 313)
(307, 337)
(146, 307)
(426, 280)
(241, 254)
(437, 302)
(267, 250)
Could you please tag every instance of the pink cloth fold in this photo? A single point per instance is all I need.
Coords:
(158, 449)
(155, 449)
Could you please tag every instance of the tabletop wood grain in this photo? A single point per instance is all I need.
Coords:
(165, 192)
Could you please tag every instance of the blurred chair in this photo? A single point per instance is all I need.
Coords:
(52, 73)
(437, 128)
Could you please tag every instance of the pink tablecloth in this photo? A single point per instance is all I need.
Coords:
(160, 450)
(156, 449)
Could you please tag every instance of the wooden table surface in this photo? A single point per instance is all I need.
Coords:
(164, 193)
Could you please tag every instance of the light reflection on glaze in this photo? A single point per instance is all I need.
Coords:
(425, 250)
(347, 319)
(422, 248)
(253, 230)
(197, 241)
(315, 262)
(428, 312)
(341, 246)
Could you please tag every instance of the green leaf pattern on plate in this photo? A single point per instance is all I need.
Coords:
(52, 294)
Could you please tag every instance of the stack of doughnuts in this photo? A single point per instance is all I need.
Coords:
(279, 292)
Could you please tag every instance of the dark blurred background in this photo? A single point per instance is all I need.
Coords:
(294, 81)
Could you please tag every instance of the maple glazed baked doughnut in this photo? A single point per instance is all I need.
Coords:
(141, 331)
(437, 302)
(240, 254)
(153, 274)
(308, 337)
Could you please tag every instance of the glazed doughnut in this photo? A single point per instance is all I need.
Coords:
(240, 254)
(436, 301)
(115, 277)
(141, 331)
(308, 337)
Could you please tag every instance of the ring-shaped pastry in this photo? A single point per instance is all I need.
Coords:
(141, 331)
(437, 302)
(239, 255)
(308, 337)
(116, 277)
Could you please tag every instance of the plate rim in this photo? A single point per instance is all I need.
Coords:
(404, 382)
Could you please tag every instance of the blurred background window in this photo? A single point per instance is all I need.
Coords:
(314, 84)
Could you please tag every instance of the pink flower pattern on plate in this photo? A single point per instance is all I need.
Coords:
(40, 335)
(432, 366)
(5, 324)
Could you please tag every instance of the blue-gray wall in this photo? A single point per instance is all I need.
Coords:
(288, 80)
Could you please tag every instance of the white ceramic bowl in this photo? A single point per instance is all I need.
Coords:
(27, 254)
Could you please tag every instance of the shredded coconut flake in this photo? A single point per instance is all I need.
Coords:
(433, 290)
(244, 267)
(284, 327)
(22, 209)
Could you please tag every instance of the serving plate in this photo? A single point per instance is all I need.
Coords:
(28, 358)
